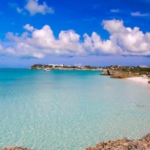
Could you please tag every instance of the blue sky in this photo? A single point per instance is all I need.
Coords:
(73, 32)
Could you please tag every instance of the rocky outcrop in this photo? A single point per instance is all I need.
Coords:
(119, 74)
(14, 148)
(106, 72)
(124, 144)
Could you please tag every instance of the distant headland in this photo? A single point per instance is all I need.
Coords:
(127, 71)
(120, 72)
(139, 73)
(64, 67)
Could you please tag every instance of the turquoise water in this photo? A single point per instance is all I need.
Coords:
(69, 110)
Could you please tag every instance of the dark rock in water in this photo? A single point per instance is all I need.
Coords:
(140, 106)
(14, 148)
(124, 144)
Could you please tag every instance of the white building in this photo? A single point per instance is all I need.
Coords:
(61, 65)
(143, 66)
(54, 65)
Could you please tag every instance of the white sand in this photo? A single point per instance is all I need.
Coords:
(139, 79)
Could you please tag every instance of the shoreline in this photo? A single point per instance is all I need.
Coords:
(117, 144)
(67, 69)
(139, 80)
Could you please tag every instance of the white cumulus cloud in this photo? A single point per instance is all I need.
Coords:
(138, 14)
(28, 27)
(131, 41)
(1, 48)
(42, 42)
(34, 7)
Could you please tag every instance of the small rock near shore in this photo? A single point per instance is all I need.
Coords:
(14, 148)
(124, 144)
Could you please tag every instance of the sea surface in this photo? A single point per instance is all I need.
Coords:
(69, 110)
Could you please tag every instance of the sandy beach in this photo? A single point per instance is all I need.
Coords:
(139, 79)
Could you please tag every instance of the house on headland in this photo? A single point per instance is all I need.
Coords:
(143, 66)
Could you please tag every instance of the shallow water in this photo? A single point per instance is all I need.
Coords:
(69, 110)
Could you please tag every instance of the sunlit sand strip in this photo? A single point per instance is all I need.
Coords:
(139, 79)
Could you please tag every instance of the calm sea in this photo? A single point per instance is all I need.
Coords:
(69, 110)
